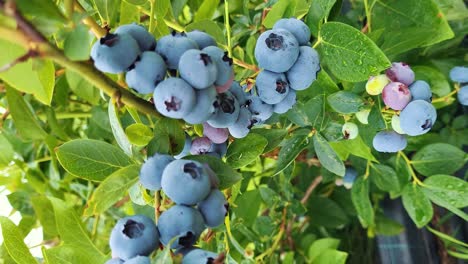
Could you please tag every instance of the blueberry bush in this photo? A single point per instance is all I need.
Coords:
(236, 131)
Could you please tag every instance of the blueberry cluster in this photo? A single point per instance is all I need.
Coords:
(459, 74)
(198, 203)
(411, 98)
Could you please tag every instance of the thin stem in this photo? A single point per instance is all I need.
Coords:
(446, 97)
(410, 168)
(311, 188)
(228, 27)
(368, 15)
(245, 65)
(367, 173)
(276, 241)
(152, 14)
(157, 206)
(97, 30)
(319, 40)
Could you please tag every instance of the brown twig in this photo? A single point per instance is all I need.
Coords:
(22, 58)
(311, 188)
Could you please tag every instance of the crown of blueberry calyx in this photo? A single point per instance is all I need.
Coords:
(173, 104)
(274, 41)
(205, 58)
(178, 34)
(109, 39)
(188, 240)
(226, 206)
(227, 59)
(427, 124)
(133, 229)
(131, 67)
(346, 135)
(210, 260)
(192, 169)
(402, 88)
(281, 86)
(226, 103)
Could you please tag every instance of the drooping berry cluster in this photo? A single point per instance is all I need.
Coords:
(459, 75)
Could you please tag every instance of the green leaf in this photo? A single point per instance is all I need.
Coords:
(77, 43)
(356, 146)
(108, 10)
(244, 151)
(445, 202)
(73, 234)
(27, 76)
(91, 159)
(345, 102)
(387, 227)
(310, 113)
(409, 24)
(276, 12)
(319, 10)
(227, 176)
(118, 131)
(209, 27)
(362, 203)
(13, 242)
(417, 205)
(169, 137)
(273, 136)
(436, 79)
(330, 256)
(136, 2)
(451, 189)
(129, 13)
(248, 205)
(25, 122)
(384, 177)
(206, 10)
(320, 245)
(438, 158)
(112, 189)
(326, 212)
(350, 55)
(327, 156)
(162, 6)
(139, 134)
(290, 150)
(82, 88)
(45, 213)
(7, 153)
(41, 8)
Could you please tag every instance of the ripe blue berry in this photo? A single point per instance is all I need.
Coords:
(197, 68)
(418, 117)
(148, 71)
(214, 208)
(144, 39)
(202, 39)
(138, 260)
(459, 74)
(200, 146)
(115, 53)
(389, 141)
(276, 50)
(287, 103)
(199, 256)
(271, 87)
(463, 95)
(238, 91)
(420, 90)
(204, 107)
(216, 135)
(133, 236)
(174, 98)
(224, 64)
(114, 261)
(172, 46)
(396, 95)
(185, 182)
(349, 177)
(260, 110)
(186, 150)
(242, 126)
(181, 222)
(227, 111)
(401, 72)
(151, 171)
(304, 71)
(298, 28)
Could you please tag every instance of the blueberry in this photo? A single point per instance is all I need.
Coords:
(199, 256)
(396, 95)
(396, 124)
(389, 141)
(224, 64)
(271, 87)
(200, 146)
(216, 135)
(463, 95)
(260, 110)
(238, 91)
(349, 177)
(151, 171)
(349, 130)
(400, 72)
(202, 39)
(242, 126)
(376, 84)
(144, 39)
(363, 116)
(185, 182)
(276, 50)
(459, 74)
(181, 222)
(114, 261)
(227, 111)
(418, 117)
(287, 103)
(298, 28)
(218, 149)
(198, 68)
(186, 150)
(204, 107)
(132, 236)
(304, 71)
(149, 70)
(115, 53)
(138, 260)
(174, 98)
(172, 46)
(214, 208)
(420, 90)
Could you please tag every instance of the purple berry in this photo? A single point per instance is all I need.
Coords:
(200, 146)
(396, 95)
(401, 72)
(216, 135)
